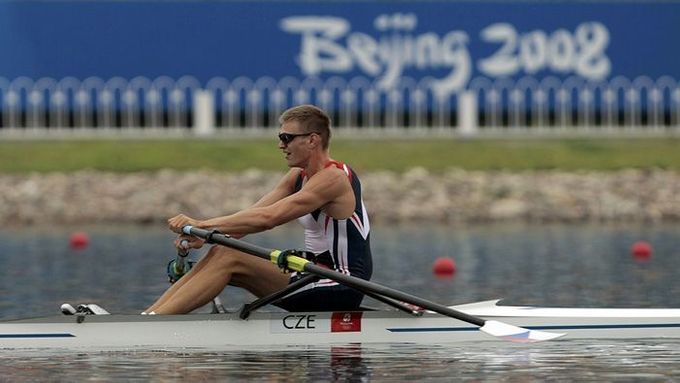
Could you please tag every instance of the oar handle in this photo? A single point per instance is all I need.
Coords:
(180, 265)
(183, 249)
(181, 259)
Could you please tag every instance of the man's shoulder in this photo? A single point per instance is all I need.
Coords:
(327, 176)
(333, 172)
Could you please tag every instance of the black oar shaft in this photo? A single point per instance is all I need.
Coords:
(234, 243)
(361, 284)
(347, 280)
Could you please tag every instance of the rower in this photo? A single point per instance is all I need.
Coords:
(321, 193)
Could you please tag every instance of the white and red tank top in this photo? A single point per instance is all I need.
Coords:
(341, 244)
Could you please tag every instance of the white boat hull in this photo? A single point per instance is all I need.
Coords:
(215, 331)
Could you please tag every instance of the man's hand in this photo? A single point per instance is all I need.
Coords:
(191, 242)
(177, 222)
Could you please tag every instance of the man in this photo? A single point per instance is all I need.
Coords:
(323, 194)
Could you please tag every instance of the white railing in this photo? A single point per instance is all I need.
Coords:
(141, 105)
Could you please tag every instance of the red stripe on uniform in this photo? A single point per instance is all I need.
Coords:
(357, 222)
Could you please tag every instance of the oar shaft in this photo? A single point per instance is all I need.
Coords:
(361, 284)
(229, 242)
(347, 280)
(491, 327)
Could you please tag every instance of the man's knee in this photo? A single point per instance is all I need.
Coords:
(231, 259)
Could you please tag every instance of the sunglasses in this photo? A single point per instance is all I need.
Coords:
(287, 138)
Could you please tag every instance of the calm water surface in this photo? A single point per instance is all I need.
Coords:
(123, 269)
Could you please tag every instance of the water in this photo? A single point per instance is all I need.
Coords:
(123, 269)
(643, 361)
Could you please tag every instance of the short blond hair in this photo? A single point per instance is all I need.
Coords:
(311, 119)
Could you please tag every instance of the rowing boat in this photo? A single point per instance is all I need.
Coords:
(284, 328)
(225, 330)
(417, 320)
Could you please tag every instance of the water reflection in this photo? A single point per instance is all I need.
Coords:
(644, 360)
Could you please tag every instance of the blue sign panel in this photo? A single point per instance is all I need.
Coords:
(370, 63)
(449, 43)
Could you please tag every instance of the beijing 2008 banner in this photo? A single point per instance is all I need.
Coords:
(448, 42)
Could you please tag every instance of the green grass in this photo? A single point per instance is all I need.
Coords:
(229, 154)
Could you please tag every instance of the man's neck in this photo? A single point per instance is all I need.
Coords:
(317, 163)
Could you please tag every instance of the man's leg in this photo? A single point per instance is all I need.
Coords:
(219, 267)
(178, 284)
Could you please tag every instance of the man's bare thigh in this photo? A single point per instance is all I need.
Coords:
(257, 275)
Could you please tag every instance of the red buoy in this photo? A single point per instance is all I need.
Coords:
(79, 240)
(444, 267)
(641, 250)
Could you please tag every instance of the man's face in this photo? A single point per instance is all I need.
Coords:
(294, 143)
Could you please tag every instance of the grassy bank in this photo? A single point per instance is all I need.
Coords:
(365, 155)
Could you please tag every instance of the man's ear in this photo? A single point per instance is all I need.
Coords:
(314, 140)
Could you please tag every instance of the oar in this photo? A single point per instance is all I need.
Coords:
(491, 327)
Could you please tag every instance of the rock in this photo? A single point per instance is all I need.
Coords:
(456, 196)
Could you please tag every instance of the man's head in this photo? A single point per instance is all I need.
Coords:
(311, 120)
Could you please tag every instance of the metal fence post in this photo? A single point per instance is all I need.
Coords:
(467, 112)
(204, 113)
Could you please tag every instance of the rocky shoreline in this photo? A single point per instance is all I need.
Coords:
(456, 196)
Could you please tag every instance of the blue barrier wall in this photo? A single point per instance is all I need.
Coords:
(452, 42)
(370, 63)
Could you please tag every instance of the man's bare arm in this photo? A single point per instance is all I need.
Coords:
(283, 189)
(325, 187)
